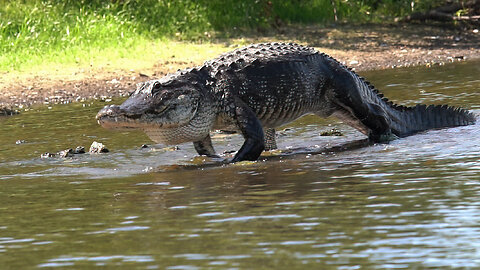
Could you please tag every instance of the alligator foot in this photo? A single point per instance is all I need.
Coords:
(382, 138)
(204, 147)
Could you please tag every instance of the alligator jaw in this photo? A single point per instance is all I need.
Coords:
(114, 117)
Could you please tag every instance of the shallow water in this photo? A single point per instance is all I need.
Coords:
(409, 204)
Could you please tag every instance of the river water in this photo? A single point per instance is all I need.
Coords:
(411, 204)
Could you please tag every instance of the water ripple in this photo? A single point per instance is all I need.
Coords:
(69, 261)
(249, 218)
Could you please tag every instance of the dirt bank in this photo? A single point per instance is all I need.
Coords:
(365, 47)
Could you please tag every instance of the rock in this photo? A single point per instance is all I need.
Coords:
(47, 155)
(353, 62)
(97, 147)
(7, 111)
(79, 150)
(20, 142)
(66, 153)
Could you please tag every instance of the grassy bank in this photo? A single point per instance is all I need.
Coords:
(39, 33)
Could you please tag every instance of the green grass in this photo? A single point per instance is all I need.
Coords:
(39, 33)
(76, 32)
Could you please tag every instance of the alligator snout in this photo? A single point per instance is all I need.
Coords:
(116, 117)
(108, 111)
(110, 117)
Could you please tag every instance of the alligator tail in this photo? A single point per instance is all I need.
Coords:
(366, 108)
(423, 117)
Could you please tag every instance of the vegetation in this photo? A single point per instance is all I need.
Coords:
(36, 32)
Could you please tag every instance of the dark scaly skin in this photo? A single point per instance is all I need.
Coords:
(253, 90)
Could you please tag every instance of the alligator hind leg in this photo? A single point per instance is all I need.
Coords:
(357, 104)
(368, 119)
(270, 141)
(204, 147)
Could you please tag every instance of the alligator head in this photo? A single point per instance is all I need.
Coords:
(155, 104)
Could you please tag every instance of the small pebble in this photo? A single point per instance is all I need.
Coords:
(20, 141)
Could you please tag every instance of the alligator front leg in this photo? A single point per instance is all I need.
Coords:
(204, 147)
(252, 131)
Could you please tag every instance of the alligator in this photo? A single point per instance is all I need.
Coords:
(255, 89)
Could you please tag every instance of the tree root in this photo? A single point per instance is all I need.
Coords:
(447, 13)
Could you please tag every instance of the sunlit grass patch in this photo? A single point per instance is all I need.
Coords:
(39, 33)
(169, 55)
(75, 32)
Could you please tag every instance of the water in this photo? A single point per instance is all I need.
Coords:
(411, 204)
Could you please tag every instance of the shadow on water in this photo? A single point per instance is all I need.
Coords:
(273, 156)
(322, 203)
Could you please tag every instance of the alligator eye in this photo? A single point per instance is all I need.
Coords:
(158, 110)
(156, 87)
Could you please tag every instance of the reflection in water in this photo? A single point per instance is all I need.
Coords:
(409, 204)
